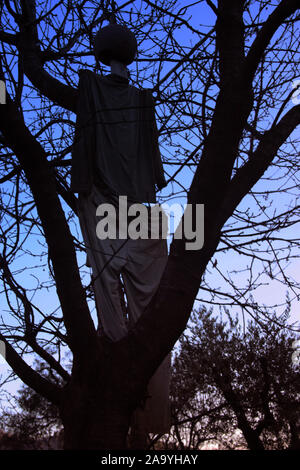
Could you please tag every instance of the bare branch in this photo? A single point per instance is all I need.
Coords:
(285, 9)
(258, 163)
(29, 376)
(31, 155)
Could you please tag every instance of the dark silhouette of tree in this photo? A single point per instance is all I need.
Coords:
(223, 100)
(31, 420)
(226, 379)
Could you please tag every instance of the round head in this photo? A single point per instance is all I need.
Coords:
(115, 42)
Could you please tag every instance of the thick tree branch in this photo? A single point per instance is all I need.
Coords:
(212, 6)
(230, 41)
(233, 106)
(29, 376)
(9, 38)
(223, 381)
(49, 86)
(40, 177)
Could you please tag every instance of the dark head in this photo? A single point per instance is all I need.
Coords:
(115, 42)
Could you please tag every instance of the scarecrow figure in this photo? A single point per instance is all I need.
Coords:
(116, 157)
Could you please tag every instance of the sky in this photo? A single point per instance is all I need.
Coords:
(271, 292)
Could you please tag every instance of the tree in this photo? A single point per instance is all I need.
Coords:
(31, 421)
(226, 379)
(220, 95)
(231, 387)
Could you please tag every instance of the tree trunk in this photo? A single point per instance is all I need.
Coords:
(98, 403)
(92, 420)
(97, 427)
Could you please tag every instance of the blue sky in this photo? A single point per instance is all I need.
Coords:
(272, 292)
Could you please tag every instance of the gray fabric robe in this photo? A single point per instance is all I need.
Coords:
(116, 140)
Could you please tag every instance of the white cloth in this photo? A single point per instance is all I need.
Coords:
(141, 263)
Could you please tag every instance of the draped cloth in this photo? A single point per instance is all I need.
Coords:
(116, 139)
(115, 152)
(141, 264)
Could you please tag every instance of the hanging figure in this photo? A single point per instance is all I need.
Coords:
(115, 153)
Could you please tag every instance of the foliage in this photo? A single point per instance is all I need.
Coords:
(226, 379)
